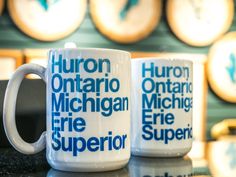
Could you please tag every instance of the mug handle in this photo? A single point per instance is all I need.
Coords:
(9, 110)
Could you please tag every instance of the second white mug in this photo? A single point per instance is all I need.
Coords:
(161, 107)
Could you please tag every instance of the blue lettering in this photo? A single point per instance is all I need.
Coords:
(56, 80)
(93, 144)
(56, 144)
(147, 132)
(146, 116)
(148, 85)
(76, 145)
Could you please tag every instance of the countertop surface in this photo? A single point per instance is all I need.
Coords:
(13, 163)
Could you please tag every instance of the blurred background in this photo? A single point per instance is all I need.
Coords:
(203, 31)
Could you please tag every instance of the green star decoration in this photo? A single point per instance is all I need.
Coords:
(232, 68)
(127, 7)
(45, 3)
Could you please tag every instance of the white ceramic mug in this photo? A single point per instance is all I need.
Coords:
(88, 109)
(161, 107)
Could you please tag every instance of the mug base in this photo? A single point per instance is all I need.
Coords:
(88, 166)
(160, 153)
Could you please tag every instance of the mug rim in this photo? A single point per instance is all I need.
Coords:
(90, 49)
(162, 58)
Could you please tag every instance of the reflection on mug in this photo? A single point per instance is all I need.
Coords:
(117, 173)
(161, 167)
